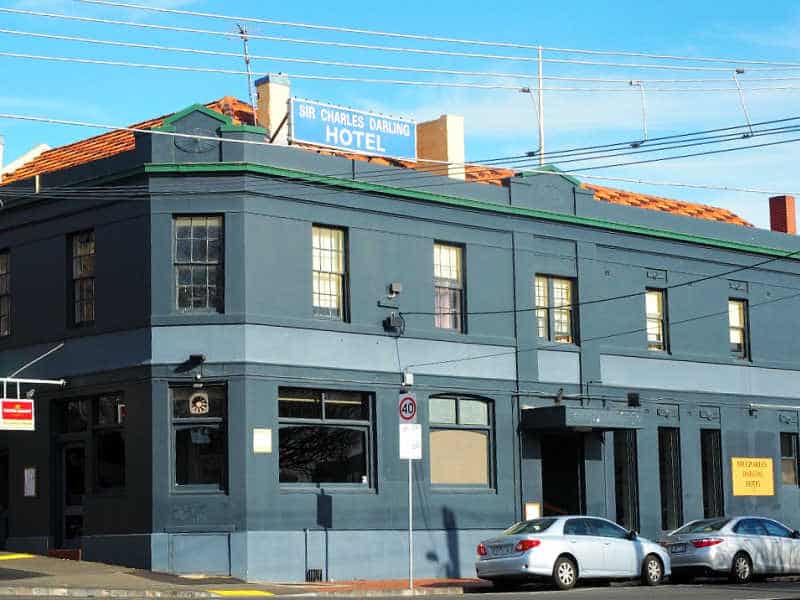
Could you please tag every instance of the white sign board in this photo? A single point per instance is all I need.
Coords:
(262, 441)
(407, 407)
(29, 489)
(17, 414)
(410, 441)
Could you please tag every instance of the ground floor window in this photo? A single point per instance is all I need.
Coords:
(669, 463)
(199, 418)
(460, 441)
(325, 437)
(789, 458)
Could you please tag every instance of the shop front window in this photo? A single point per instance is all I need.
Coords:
(200, 437)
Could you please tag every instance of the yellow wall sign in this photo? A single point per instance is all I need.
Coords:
(752, 476)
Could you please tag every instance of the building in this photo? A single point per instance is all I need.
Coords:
(233, 379)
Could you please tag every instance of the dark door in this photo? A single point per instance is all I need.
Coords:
(711, 452)
(626, 478)
(73, 493)
(562, 474)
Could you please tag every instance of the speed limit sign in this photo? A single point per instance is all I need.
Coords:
(407, 407)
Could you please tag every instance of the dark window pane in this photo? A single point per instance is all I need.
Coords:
(577, 527)
(313, 454)
(183, 250)
(191, 403)
(787, 445)
(110, 410)
(200, 455)
(110, 448)
(74, 475)
(775, 529)
(300, 404)
(346, 406)
(74, 416)
(606, 529)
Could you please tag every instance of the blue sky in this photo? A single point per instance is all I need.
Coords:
(498, 123)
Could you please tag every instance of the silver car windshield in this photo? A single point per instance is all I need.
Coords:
(534, 526)
(704, 526)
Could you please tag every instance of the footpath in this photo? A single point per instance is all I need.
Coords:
(29, 575)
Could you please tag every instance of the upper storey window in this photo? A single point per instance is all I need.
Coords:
(199, 263)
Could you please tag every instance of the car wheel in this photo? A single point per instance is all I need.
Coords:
(652, 570)
(742, 568)
(565, 573)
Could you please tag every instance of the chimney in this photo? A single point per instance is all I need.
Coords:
(443, 139)
(273, 106)
(781, 214)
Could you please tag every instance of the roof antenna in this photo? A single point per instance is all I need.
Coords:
(640, 85)
(740, 71)
(538, 105)
(246, 53)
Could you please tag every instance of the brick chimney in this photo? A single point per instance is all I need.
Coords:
(782, 215)
(443, 139)
(273, 106)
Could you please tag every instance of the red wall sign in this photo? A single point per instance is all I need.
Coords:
(16, 414)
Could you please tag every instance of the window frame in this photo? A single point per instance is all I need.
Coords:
(5, 296)
(344, 299)
(219, 265)
(367, 426)
(441, 283)
(182, 423)
(74, 280)
(662, 320)
(489, 429)
(550, 308)
(745, 354)
(794, 457)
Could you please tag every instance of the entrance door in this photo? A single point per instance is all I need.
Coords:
(562, 474)
(73, 492)
(5, 482)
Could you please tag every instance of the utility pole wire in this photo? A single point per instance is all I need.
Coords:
(437, 38)
(246, 53)
(408, 50)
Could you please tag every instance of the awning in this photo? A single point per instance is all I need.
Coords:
(580, 418)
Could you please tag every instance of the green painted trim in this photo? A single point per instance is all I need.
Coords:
(550, 169)
(169, 123)
(192, 168)
(243, 129)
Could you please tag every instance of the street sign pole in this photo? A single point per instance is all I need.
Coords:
(410, 527)
(410, 449)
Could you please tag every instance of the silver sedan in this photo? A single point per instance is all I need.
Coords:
(741, 548)
(566, 549)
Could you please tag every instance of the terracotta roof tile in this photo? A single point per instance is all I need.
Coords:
(690, 209)
(116, 142)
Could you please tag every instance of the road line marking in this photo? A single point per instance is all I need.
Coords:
(241, 593)
(15, 556)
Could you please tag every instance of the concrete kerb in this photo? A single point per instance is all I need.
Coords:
(74, 592)
(425, 591)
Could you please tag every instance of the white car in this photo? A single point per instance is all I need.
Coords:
(742, 548)
(566, 549)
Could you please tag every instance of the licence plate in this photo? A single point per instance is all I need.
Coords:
(677, 548)
(502, 550)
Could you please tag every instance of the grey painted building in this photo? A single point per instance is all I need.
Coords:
(231, 404)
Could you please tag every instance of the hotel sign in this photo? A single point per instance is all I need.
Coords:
(352, 130)
(752, 476)
(16, 414)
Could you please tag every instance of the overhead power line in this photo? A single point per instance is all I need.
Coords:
(405, 50)
(533, 167)
(432, 38)
(373, 66)
(404, 82)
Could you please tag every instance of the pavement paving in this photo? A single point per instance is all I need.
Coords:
(29, 576)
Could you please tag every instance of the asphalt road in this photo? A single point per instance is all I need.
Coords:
(712, 590)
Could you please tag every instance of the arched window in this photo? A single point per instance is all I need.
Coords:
(461, 440)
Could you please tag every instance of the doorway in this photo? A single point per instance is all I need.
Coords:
(563, 489)
(626, 478)
(73, 492)
(5, 484)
